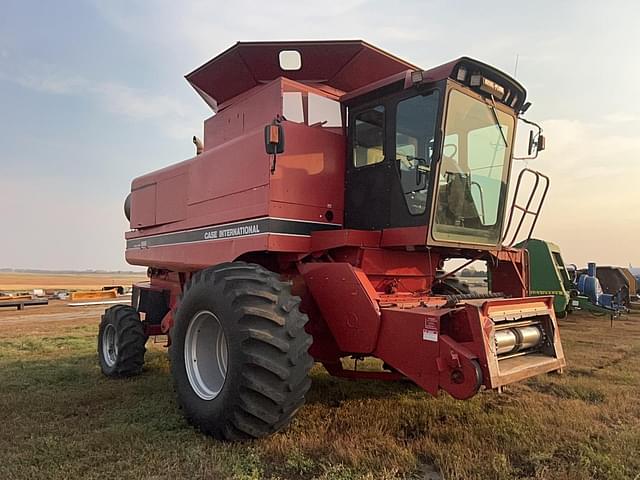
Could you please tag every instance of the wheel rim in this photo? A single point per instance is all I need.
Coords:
(206, 355)
(110, 345)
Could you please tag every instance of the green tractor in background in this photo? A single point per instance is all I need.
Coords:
(548, 275)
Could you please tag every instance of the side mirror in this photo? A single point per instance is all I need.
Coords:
(537, 141)
(274, 139)
(531, 143)
(536, 144)
(541, 142)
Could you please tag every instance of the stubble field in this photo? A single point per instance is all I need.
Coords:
(60, 418)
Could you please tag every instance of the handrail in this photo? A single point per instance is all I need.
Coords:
(526, 210)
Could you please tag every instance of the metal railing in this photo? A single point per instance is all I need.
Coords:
(526, 209)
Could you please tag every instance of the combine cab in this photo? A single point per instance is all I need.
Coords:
(333, 183)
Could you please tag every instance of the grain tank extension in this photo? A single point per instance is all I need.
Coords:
(333, 183)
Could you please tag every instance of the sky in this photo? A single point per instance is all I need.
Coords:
(92, 94)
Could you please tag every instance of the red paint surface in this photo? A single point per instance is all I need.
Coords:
(365, 292)
(343, 65)
(346, 304)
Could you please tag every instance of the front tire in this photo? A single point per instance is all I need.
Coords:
(239, 352)
(121, 342)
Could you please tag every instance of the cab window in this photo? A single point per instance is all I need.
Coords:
(415, 131)
(368, 142)
(472, 186)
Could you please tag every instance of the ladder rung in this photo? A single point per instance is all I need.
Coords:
(530, 212)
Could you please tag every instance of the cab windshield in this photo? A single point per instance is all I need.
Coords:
(472, 178)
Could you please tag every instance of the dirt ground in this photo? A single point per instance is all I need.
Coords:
(62, 419)
(10, 281)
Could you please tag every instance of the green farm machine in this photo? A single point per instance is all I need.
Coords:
(548, 274)
(572, 289)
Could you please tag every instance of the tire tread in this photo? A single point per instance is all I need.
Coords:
(274, 377)
(131, 338)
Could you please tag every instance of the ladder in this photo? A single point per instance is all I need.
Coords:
(541, 181)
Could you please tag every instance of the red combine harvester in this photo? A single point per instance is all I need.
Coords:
(265, 256)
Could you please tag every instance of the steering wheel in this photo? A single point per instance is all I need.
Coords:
(450, 145)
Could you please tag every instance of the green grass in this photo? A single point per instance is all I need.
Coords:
(60, 418)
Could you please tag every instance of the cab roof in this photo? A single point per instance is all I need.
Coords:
(345, 65)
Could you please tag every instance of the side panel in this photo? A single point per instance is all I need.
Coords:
(200, 248)
(248, 204)
(171, 199)
(143, 206)
(367, 196)
(198, 255)
(233, 167)
(256, 109)
(509, 272)
(347, 302)
(228, 181)
(311, 170)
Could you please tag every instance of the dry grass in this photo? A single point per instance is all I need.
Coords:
(62, 419)
(10, 281)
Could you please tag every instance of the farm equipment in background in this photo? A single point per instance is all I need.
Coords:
(572, 291)
(588, 285)
(614, 281)
(548, 274)
(635, 272)
(634, 287)
(632, 284)
(264, 256)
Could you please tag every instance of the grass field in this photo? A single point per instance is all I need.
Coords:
(60, 418)
(15, 281)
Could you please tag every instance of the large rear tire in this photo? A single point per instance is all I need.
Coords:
(239, 352)
(121, 342)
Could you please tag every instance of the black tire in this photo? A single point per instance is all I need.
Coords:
(267, 363)
(451, 286)
(127, 358)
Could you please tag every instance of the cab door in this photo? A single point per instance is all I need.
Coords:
(369, 170)
(392, 149)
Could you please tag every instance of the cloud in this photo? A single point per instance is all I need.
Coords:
(585, 149)
(621, 117)
(53, 84)
(592, 210)
(41, 77)
(200, 29)
(136, 104)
